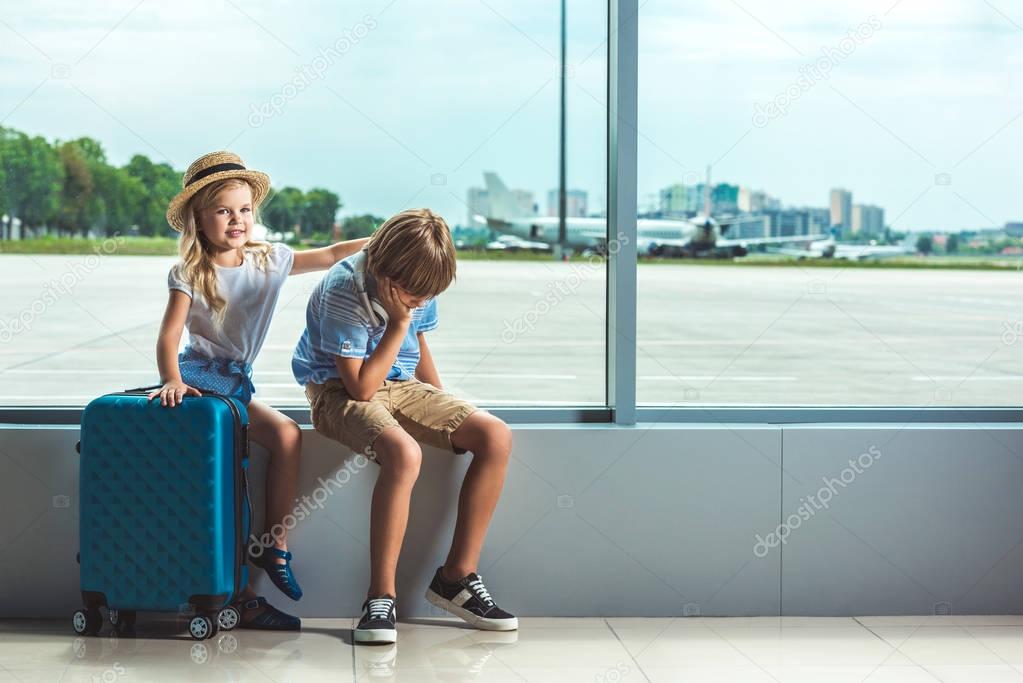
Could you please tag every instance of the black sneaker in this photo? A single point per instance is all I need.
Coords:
(377, 623)
(469, 599)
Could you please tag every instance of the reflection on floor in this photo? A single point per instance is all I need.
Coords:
(612, 650)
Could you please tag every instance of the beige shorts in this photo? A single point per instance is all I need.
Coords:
(427, 413)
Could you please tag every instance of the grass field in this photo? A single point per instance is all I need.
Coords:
(167, 246)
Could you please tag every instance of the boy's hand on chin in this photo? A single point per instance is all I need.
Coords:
(396, 310)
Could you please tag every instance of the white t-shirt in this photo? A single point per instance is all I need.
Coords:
(251, 296)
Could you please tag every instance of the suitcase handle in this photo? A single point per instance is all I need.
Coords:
(157, 386)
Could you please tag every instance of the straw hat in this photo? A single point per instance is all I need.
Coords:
(209, 168)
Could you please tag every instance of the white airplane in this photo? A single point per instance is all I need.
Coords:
(513, 243)
(699, 236)
(829, 248)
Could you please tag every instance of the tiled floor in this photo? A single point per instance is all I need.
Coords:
(613, 650)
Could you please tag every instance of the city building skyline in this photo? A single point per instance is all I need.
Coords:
(841, 210)
(867, 220)
(576, 202)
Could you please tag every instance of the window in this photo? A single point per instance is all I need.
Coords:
(825, 201)
(388, 106)
(859, 154)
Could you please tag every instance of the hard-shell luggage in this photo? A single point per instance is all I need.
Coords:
(163, 509)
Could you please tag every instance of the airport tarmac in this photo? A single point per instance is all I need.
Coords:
(532, 333)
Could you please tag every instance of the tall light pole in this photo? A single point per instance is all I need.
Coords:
(562, 196)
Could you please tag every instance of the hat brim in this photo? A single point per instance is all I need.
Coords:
(259, 181)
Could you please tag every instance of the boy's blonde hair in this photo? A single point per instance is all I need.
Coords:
(414, 249)
(196, 266)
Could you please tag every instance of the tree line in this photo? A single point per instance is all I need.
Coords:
(69, 188)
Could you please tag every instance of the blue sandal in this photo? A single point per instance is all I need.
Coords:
(269, 618)
(280, 574)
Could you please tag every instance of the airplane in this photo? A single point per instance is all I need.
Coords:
(513, 243)
(701, 236)
(829, 248)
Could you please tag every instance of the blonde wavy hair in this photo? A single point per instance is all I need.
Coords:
(415, 250)
(196, 266)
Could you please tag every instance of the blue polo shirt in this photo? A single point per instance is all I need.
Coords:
(337, 324)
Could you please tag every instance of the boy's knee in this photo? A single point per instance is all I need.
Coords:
(500, 435)
(398, 453)
(487, 434)
(406, 461)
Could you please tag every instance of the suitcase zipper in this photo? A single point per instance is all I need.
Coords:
(241, 444)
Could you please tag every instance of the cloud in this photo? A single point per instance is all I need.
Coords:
(465, 86)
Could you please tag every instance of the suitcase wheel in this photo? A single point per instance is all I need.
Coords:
(228, 618)
(87, 622)
(201, 627)
(122, 620)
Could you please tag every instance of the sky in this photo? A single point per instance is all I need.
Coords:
(399, 103)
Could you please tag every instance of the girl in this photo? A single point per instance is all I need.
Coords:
(224, 290)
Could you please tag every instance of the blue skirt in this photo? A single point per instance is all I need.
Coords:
(218, 375)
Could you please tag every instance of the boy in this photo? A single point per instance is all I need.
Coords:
(372, 385)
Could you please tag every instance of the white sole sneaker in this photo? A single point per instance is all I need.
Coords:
(479, 622)
(375, 635)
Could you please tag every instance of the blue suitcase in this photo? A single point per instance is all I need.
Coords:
(163, 510)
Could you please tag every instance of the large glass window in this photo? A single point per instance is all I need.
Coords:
(860, 156)
(356, 110)
(826, 208)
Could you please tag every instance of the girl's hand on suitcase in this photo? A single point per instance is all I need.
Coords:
(172, 393)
